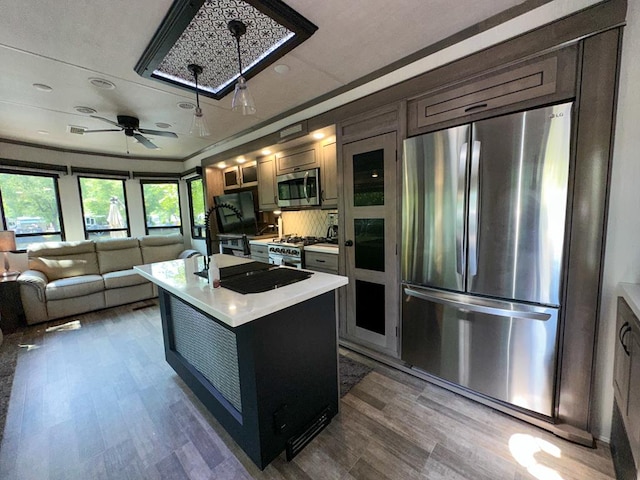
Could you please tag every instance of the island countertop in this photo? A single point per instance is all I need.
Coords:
(234, 309)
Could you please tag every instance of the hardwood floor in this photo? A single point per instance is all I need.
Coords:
(99, 401)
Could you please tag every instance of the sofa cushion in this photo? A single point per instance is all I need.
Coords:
(123, 278)
(64, 259)
(161, 248)
(118, 254)
(74, 287)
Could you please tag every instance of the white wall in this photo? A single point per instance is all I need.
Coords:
(622, 254)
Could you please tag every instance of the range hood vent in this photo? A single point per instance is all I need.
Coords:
(76, 129)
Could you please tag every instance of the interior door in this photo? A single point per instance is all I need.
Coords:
(370, 242)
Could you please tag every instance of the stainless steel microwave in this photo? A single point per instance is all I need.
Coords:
(299, 189)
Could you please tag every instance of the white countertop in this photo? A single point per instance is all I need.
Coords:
(231, 308)
(323, 248)
(631, 293)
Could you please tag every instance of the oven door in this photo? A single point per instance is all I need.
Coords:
(285, 260)
(299, 189)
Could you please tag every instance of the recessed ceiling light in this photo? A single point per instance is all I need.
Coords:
(318, 135)
(43, 132)
(87, 110)
(222, 165)
(266, 151)
(186, 105)
(281, 68)
(241, 159)
(163, 125)
(102, 83)
(42, 87)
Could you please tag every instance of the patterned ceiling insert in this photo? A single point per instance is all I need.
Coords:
(199, 34)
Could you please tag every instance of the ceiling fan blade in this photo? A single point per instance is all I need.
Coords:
(107, 130)
(145, 141)
(159, 133)
(105, 120)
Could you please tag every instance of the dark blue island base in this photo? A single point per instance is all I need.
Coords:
(272, 383)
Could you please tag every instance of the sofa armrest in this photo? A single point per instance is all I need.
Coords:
(189, 253)
(35, 280)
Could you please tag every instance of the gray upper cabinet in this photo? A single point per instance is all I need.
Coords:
(302, 158)
(267, 193)
(549, 78)
(329, 175)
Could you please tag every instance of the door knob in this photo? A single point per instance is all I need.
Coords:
(348, 243)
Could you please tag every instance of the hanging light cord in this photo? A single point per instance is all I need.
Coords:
(239, 56)
(195, 74)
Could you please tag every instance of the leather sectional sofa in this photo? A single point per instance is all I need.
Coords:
(69, 278)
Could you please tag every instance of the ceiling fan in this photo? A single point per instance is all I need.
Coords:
(131, 127)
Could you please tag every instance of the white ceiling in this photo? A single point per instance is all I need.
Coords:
(64, 43)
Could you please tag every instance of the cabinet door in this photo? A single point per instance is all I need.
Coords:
(267, 198)
(633, 399)
(621, 355)
(370, 226)
(329, 173)
(302, 158)
(231, 178)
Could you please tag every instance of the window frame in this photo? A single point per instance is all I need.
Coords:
(202, 234)
(175, 182)
(56, 189)
(126, 206)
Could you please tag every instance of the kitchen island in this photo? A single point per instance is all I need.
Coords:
(264, 364)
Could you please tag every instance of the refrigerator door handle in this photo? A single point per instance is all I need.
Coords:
(484, 307)
(474, 210)
(462, 169)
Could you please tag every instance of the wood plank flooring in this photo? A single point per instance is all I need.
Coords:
(100, 402)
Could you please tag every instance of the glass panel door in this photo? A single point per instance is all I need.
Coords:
(370, 247)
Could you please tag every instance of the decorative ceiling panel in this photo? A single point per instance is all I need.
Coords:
(197, 32)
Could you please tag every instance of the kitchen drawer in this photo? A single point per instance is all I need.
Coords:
(322, 262)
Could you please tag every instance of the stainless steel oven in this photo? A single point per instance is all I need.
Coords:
(287, 255)
(299, 189)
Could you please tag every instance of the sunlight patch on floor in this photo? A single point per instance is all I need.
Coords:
(530, 452)
(74, 325)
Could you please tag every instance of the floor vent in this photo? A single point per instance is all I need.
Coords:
(297, 443)
(76, 130)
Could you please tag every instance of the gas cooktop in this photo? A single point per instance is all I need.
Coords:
(298, 241)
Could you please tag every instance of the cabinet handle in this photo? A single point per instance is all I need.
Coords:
(475, 107)
(320, 261)
(624, 329)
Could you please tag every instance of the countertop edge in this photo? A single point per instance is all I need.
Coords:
(631, 293)
(197, 293)
(319, 248)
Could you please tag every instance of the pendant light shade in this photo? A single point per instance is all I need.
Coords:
(199, 127)
(242, 98)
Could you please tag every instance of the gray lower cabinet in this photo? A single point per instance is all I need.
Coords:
(625, 436)
(259, 252)
(321, 262)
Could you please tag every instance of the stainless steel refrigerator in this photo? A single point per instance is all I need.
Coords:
(483, 233)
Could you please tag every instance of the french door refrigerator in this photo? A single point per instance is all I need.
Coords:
(483, 230)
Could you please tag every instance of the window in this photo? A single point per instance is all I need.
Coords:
(161, 207)
(31, 207)
(104, 207)
(196, 207)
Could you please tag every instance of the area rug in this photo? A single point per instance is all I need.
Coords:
(8, 360)
(351, 372)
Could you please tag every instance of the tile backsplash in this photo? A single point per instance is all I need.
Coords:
(308, 223)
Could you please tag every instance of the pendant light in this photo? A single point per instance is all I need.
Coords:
(242, 99)
(199, 126)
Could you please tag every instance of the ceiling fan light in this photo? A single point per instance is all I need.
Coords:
(199, 127)
(242, 98)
